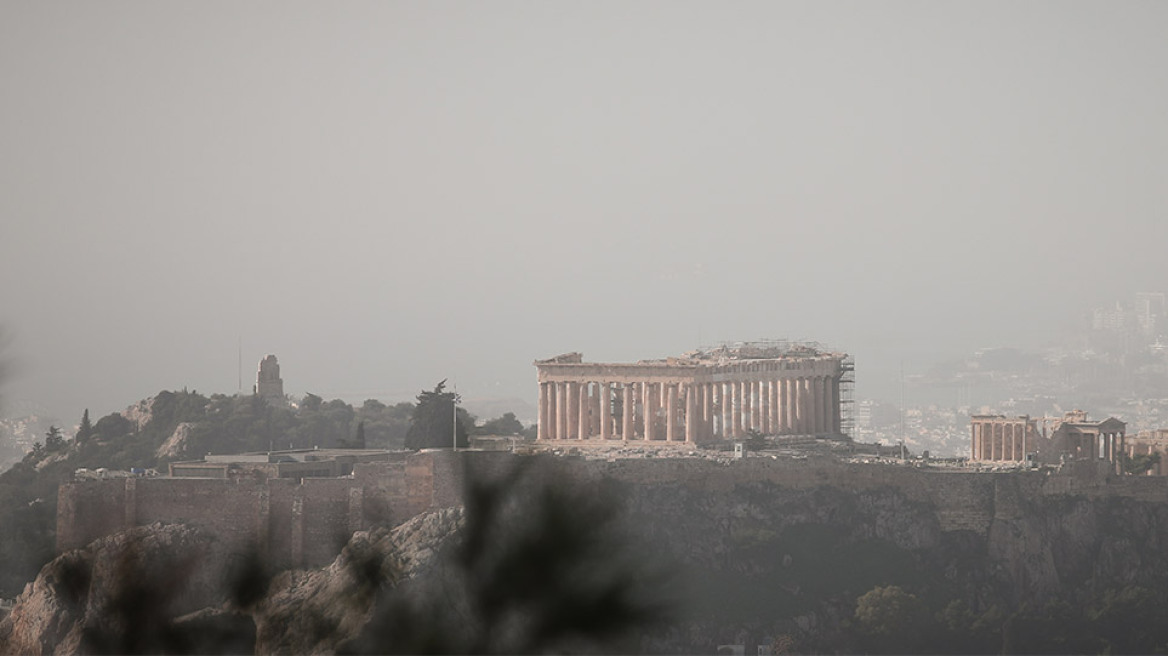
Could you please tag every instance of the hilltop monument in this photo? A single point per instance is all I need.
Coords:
(269, 385)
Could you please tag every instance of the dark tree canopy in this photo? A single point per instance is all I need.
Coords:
(54, 441)
(505, 425)
(85, 429)
(113, 425)
(432, 424)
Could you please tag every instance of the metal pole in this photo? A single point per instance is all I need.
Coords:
(454, 429)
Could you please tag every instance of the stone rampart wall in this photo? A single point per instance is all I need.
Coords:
(305, 524)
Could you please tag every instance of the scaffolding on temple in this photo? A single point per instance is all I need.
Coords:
(848, 396)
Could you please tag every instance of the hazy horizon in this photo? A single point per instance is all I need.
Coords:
(385, 195)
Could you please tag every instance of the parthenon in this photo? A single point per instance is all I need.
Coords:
(722, 393)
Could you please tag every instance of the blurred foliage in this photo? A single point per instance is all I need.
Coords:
(1123, 620)
(540, 565)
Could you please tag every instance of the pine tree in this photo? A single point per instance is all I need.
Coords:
(360, 439)
(432, 424)
(53, 439)
(85, 430)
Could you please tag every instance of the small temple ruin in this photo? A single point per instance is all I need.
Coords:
(727, 392)
(997, 438)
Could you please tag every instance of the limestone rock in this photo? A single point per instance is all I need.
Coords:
(314, 611)
(74, 590)
(140, 413)
(177, 443)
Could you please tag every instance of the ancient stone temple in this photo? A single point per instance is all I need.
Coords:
(773, 388)
(269, 385)
(1001, 438)
(997, 438)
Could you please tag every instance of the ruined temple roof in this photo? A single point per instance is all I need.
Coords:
(732, 352)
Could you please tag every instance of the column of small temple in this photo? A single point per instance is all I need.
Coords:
(998, 439)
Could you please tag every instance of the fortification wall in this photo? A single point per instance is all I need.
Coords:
(89, 510)
(305, 524)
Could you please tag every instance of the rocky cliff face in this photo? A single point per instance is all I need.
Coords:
(754, 562)
(178, 442)
(180, 580)
(78, 590)
(764, 559)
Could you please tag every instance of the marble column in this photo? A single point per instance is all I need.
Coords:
(724, 410)
(764, 423)
(736, 409)
(804, 406)
(627, 411)
(828, 407)
(755, 405)
(744, 405)
(561, 410)
(707, 427)
(800, 407)
(671, 412)
(788, 405)
(692, 416)
(541, 428)
(776, 406)
(652, 402)
(582, 408)
(773, 406)
(837, 405)
(820, 415)
(605, 411)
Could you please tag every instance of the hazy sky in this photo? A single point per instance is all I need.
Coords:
(385, 194)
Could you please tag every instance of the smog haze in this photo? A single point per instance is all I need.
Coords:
(386, 195)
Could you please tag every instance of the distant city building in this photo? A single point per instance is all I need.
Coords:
(1130, 327)
(1150, 313)
(269, 385)
(768, 388)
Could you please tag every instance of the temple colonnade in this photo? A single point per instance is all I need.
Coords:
(686, 401)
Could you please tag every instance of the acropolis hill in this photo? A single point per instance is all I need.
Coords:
(660, 422)
(758, 537)
(796, 525)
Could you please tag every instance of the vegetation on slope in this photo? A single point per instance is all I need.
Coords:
(215, 424)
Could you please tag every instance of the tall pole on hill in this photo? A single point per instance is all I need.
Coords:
(454, 416)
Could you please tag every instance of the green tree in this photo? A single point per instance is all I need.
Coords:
(54, 441)
(505, 425)
(890, 619)
(433, 421)
(1139, 464)
(85, 430)
(112, 426)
